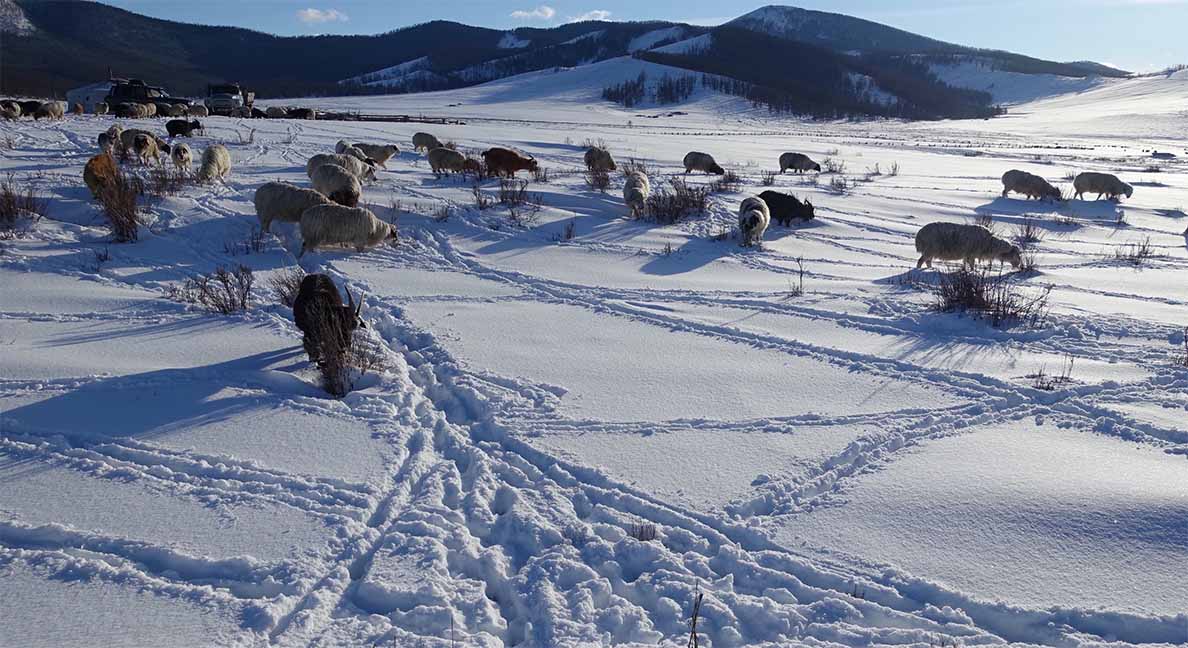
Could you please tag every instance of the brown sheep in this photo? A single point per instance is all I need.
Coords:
(505, 162)
(100, 173)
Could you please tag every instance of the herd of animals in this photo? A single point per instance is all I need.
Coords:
(328, 214)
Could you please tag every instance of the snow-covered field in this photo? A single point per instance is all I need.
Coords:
(842, 466)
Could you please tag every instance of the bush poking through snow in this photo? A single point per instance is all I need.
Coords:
(481, 200)
(767, 178)
(994, 299)
(894, 170)
(18, 209)
(1044, 381)
(1183, 359)
(223, 291)
(669, 205)
(286, 284)
(253, 243)
(694, 615)
(514, 193)
(838, 184)
(119, 199)
(598, 179)
(642, 531)
(1028, 232)
(728, 182)
(633, 164)
(165, 180)
(1135, 253)
(342, 366)
(540, 174)
(831, 165)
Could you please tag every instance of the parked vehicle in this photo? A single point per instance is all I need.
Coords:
(229, 99)
(137, 91)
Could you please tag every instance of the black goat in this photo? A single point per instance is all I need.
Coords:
(321, 316)
(785, 207)
(181, 127)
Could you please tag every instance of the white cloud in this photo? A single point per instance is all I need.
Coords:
(319, 16)
(543, 12)
(596, 14)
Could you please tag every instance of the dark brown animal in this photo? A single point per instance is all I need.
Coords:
(505, 162)
(325, 322)
(100, 173)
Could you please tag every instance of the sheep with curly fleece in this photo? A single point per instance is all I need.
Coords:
(361, 169)
(636, 190)
(704, 162)
(324, 225)
(599, 159)
(344, 147)
(216, 163)
(1029, 185)
(337, 184)
(50, 110)
(425, 141)
(968, 243)
(1102, 184)
(281, 201)
(145, 147)
(753, 219)
(443, 160)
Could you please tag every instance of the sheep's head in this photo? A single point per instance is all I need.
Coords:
(1052, 193)
(471, 164)
(1127, 189)
(715, 169)
(808, 209)
(1013, 255)
(816, 167)
(531, 165)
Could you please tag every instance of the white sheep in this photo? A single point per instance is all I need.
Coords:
(344, 147)
(337, 184)
(281, 201)
(599, 159)
(1029, 185)
(968, 243)
(148, 109)
(323, 225)
(101, 108)
(216, 163)
(1102, 184)
(182, 157)
(50, 110)
(362, 170)
(197, 110)
(381, 153)
(636, 190)
(425, 141)
(753, 219)
(442, 159)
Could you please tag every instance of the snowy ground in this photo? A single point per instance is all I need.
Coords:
(842, 466)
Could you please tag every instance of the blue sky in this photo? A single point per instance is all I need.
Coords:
(1138, 35)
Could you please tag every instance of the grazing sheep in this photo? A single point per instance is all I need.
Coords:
(101, 108)
(49, 110)
(30, 106)
(785, 208)
(126, 110)
(753, 219)
(100, 173)
(10, 111)
(636, 190)
(325, 323)
(599, 159)
(145, 147)
(172, 110)
(704, 162)
(182, 128)
(798, 162)
(128, 139)
(182, 157)
(197, 110)
(381, 153)
(969, 243)
(1029, 185)
(337, 184)
(107, 142)
(338, 225)
(276, 112)
(303, 113)
(216, 163)
(442, 159)
(425, 141)
(1102, 184)
(363, 170)
(148, 109)
(501, 161)
(281, 201)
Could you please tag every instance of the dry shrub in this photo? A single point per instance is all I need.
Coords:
(642, 531)
(223, 291)
(19, 209)
(999, 301)
(1028, 232)
(633, 164)
(252, 243)
(119, 199)
(767, 178)
(1135, 253)
(286, 284)
(728, 182)
(540, 174)
(166, 180)
(343, 366)
(831, 165)
(669, 205)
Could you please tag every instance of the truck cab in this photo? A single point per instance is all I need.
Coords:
(137, 91)
(228, 99)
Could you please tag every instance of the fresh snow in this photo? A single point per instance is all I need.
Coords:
(649, 40)
(838, 466)
(1010, 88)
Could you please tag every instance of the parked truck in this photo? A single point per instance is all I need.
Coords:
(137, 91)
(229, 99)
